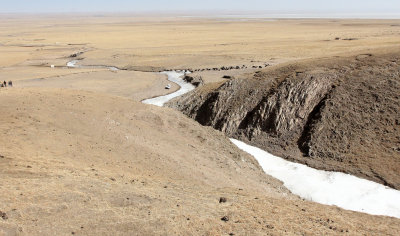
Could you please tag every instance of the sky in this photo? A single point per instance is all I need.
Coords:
(282, 6)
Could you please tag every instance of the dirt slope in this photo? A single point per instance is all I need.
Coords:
(337, 113)
(82, 163)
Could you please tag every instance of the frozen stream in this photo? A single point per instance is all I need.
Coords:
(74, 64)
(329, 188)
(173, 76)
(176, 77)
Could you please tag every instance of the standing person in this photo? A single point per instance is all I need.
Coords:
(4, 84)
(10, 83)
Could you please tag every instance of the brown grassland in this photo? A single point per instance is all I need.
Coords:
(80, 155)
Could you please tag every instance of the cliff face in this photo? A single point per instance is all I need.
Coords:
(337, 114)
(285, 110)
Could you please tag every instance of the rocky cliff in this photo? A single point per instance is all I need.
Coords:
(337, 114)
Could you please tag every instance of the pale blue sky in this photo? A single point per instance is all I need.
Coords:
(336, 6)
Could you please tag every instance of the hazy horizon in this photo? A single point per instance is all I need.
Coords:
(213, 14)
(253, 7)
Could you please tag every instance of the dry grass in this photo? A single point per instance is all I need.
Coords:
(94, 164)
(91, 163)
(184, 43)
(29, 45)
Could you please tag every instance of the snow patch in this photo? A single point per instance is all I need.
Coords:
(176, 77)
(329, 188)
(74, 64)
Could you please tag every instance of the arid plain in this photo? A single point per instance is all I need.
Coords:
(29, 45)
(82, 156)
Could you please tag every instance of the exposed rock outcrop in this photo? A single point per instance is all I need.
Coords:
(284, 111)
(334, 114)
(196, 80)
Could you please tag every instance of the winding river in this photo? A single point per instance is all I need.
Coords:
(74, 64)
(325, 187)
(175, 77)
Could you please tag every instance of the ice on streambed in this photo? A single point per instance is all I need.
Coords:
(329, 188)
(176, 77)
(72, 63)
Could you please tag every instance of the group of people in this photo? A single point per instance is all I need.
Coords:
(4, 84)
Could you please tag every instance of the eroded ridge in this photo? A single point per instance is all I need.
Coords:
(338, 114)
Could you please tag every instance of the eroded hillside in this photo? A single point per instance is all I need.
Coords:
(338, 113)
(83, 163)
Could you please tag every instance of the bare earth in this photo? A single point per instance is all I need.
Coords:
(93, 164)
(82, 156)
